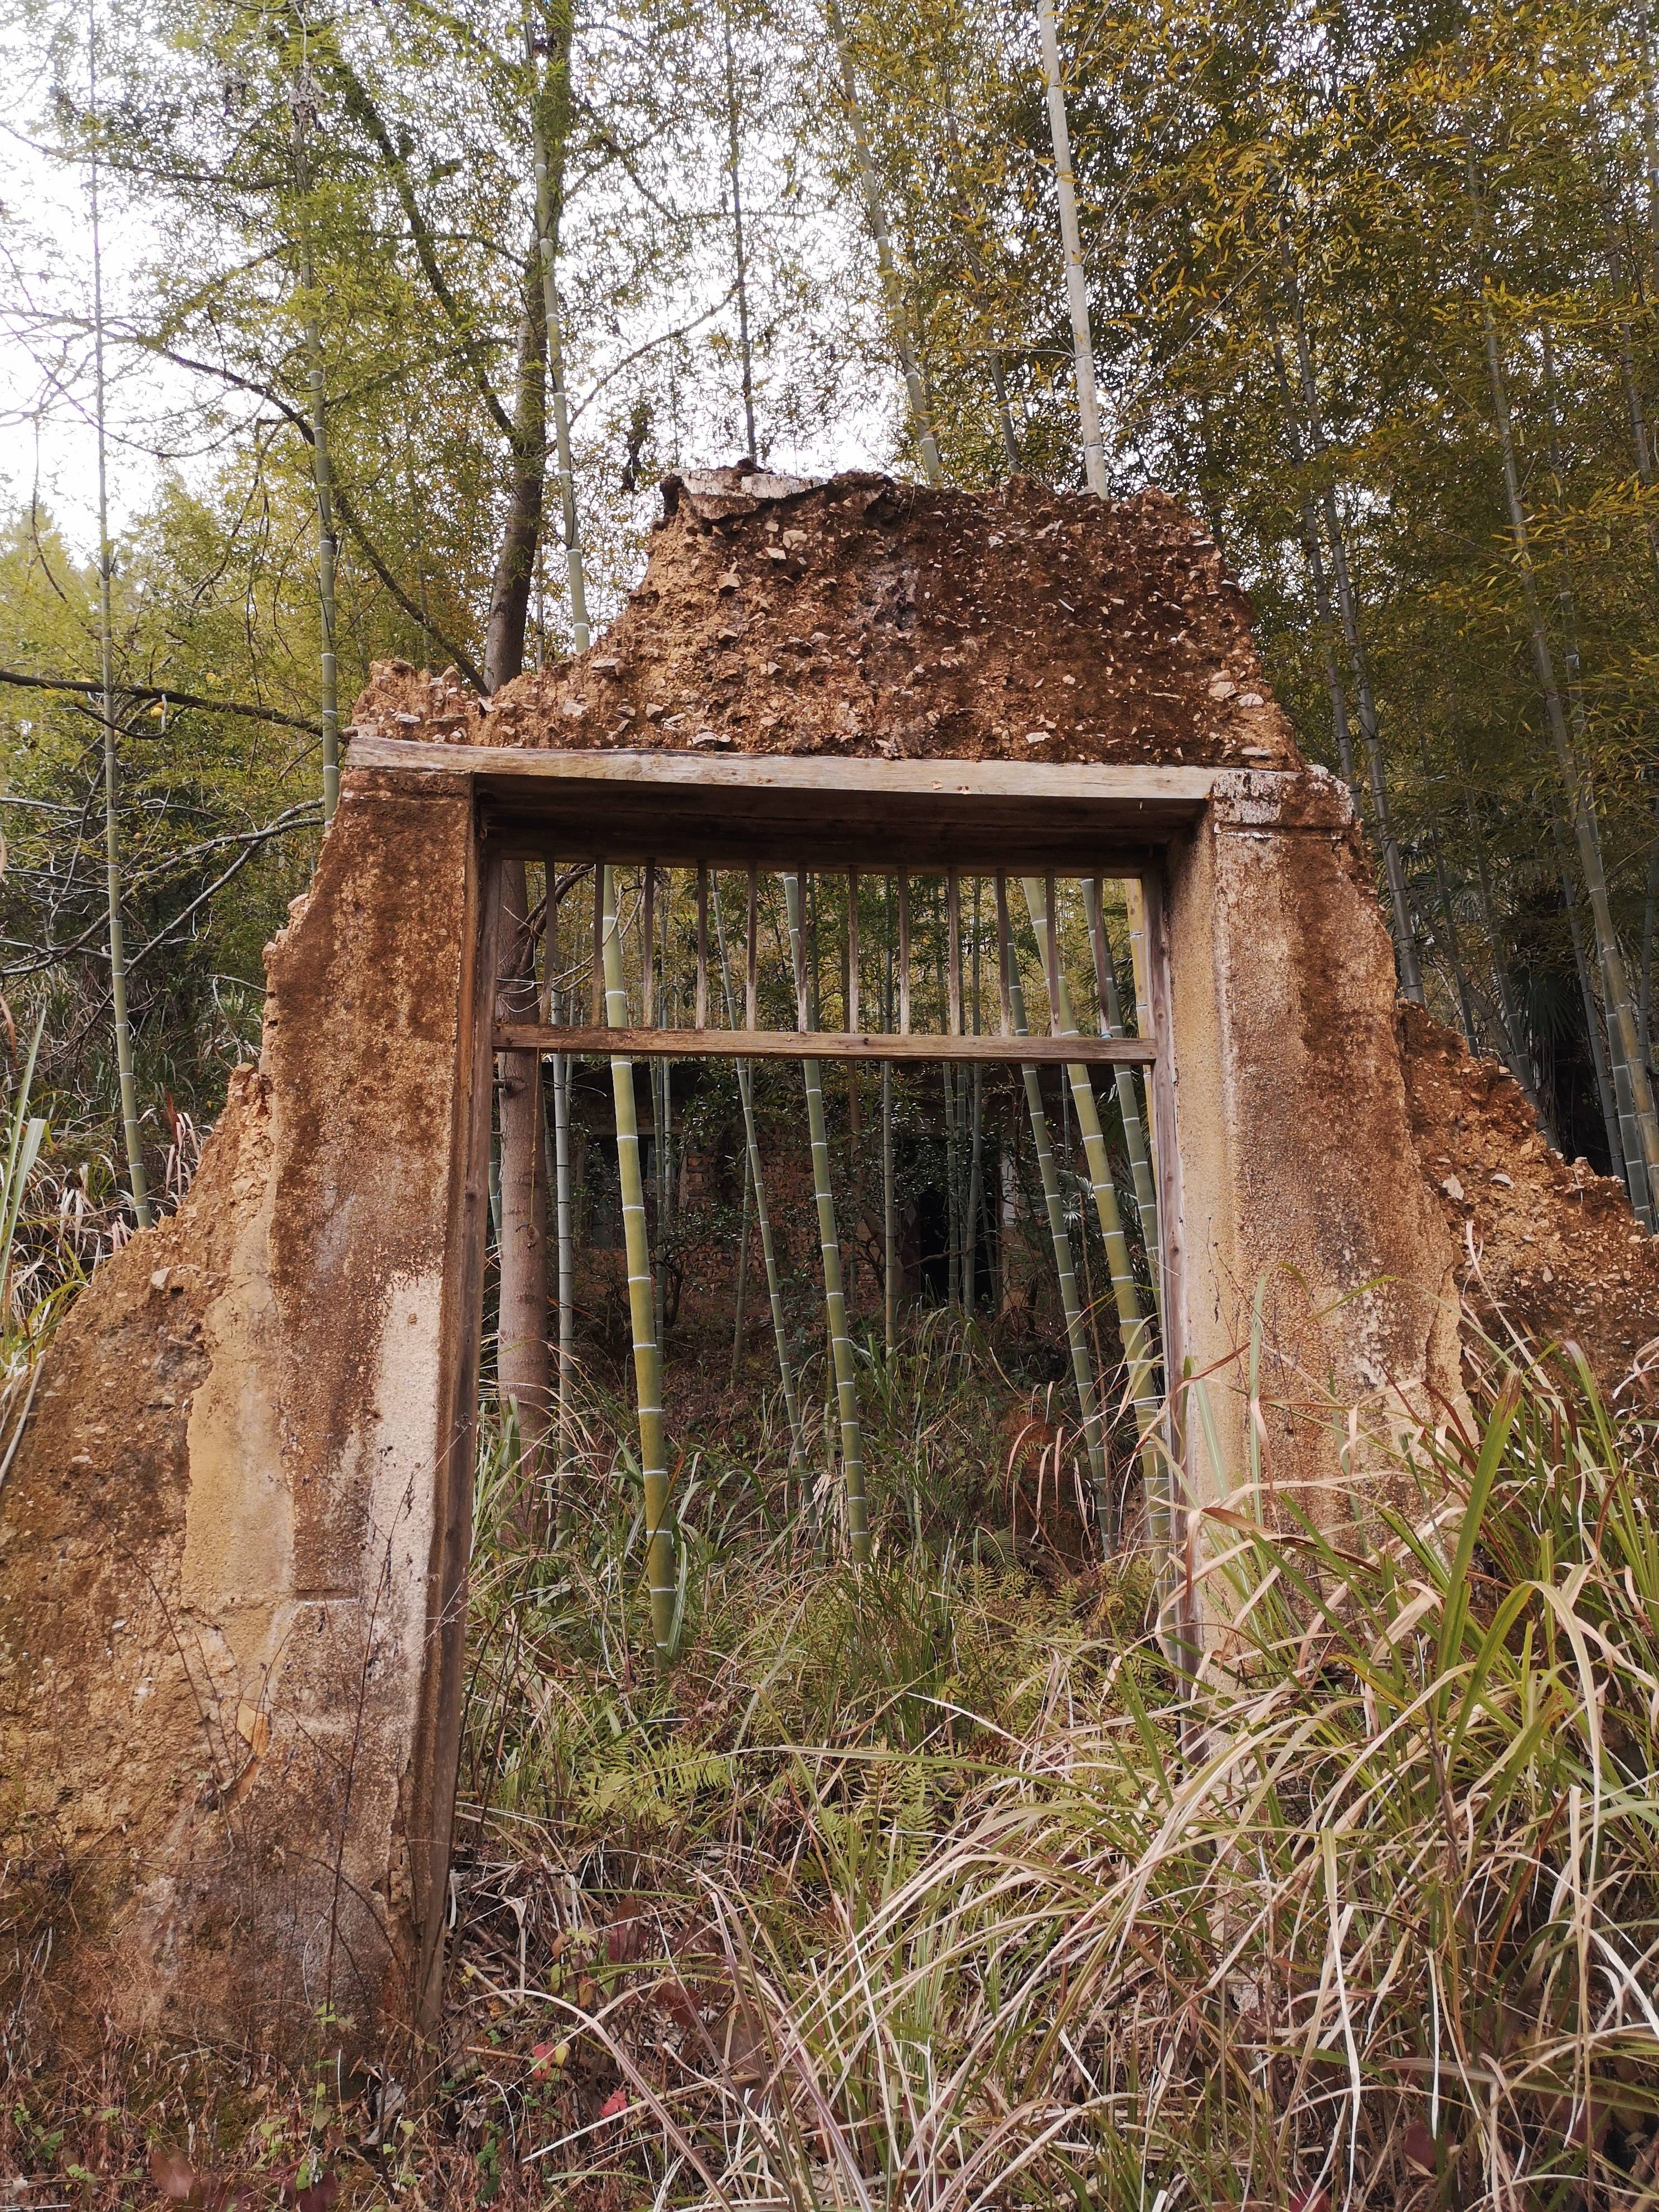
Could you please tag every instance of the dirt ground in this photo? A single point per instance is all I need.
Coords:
(1547, 1247)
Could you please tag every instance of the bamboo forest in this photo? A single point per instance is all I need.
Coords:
(829, 1166)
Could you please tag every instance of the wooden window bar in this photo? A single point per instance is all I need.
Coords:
(954, 1043)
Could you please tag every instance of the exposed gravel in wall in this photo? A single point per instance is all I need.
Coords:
(1543, 1242)
(864, 616)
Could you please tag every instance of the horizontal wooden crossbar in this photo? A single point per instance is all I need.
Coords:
(728, 810)
(824, 1044)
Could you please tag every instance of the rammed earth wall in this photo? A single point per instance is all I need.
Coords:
(233, 1542)
(218, 1542)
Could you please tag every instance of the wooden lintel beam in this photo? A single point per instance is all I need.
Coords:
(823, 1044)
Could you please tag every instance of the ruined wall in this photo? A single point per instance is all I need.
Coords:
(232, 1544)
(216, 1538)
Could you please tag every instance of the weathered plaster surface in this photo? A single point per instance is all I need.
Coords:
(1307, 1222)
(216, 1543)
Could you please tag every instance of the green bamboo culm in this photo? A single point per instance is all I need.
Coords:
(648, 1353)
(1140, 1338)
(126, 1076)
(1076, 1335)
(841, 1347)
(756, 1184)
(1128, 1099)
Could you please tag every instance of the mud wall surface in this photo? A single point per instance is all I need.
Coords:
(216, 1541)
(864, 616)
(1304, 1217)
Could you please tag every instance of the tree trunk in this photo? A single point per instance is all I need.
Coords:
(516, 562)
(303, 108)
(126, 1076)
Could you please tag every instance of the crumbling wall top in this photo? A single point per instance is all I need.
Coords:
(862, 616)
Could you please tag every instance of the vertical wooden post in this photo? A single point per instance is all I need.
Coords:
(431, 1812)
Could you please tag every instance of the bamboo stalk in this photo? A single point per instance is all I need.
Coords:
(743, 1277)
(1610, 1116)
(1077, 288)
(840, 1348)
(1076, 1336)
(126, 1077)
(889, 1204)
(554, 999)
(321, 474)
(522, 1367)
(648, 1355)
(1644, 1143)
(888, 1218)
(1128, 1100)
(549, 209)
(977, 1136)
(1140, 1346)
(757, 1183)
(736, 238)
(1311, 432)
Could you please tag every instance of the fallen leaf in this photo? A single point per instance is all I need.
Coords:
(614, 2105)
(1419, 2149)
(254, 1726)
(172, 2172)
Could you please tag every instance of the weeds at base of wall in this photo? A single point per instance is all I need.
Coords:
(901, 1890)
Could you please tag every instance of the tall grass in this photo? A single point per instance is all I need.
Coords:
(935, 1887)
